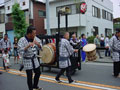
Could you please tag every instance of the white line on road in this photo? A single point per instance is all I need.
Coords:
(79, 84)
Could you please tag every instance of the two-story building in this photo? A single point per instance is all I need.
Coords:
(2, 21)
(34, 11)
(98, 18)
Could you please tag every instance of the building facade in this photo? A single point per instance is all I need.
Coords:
(116, 23)
(2, 21)
(34, 11)
(98, 18)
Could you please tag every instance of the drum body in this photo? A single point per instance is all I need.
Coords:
(48, 53)
(90, 50)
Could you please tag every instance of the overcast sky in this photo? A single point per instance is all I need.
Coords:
(116, 7)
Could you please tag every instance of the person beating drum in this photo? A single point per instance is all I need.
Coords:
(64, 58)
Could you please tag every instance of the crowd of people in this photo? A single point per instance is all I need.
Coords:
(28, 47)
(5, 51)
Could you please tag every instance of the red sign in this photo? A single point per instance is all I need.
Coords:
(83, 7)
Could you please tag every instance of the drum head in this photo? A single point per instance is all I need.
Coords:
(47, 54)
(89, 47)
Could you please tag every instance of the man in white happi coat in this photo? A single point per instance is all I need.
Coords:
(64, 58)
(115, 47)
(28, 47)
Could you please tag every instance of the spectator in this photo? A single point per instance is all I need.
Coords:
(5, 44)
(16, 56)
(97, 43)
(107, 51)
(102, 43)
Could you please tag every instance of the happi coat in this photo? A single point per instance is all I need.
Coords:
(29, 53)
(115, 47)
(65, 51)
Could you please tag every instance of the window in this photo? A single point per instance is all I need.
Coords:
(2, 18)
(23, 3)
(106, 15)
(42, 13)
(8, 7)
(96, 32)
(96, 12)
(73, 9)
(1, 35)
(108, 31)
(67, 6)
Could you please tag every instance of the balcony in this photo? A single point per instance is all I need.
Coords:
(75, 20)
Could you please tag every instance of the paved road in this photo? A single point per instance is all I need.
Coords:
(93, 76)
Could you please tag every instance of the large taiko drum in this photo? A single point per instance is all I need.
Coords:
(90, 50)
(48, 53)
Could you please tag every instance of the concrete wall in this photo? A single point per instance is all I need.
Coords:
(2, 28)
(99, 22)
(2, 25)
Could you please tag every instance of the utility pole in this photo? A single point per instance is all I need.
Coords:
(48, 17)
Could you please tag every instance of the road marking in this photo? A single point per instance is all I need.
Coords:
(79, 84)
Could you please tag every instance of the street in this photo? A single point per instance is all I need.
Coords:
(93, 76)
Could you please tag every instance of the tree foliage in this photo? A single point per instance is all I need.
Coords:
(90, 39)
(19, 21)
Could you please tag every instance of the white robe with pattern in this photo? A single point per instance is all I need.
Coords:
(65, 51)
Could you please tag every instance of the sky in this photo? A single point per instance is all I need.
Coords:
(116, 7)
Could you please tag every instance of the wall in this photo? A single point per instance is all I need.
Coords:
(99, 22)
(85, 22)
(38, 21)
(10, 3)
(2, 24)
(2, 28)
(11, 37)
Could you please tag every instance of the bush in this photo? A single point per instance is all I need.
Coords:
(91, 39)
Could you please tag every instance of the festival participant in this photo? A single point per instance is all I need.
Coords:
(115, 47)
(28, 47)
(64, 59)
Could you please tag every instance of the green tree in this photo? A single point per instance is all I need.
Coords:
(19, 22)
(90, 39)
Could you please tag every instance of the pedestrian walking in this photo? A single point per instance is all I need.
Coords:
(28, 47)
(64, 58)
(97, 43)
(5, 45)
(107, 46)
(16, 55)
(115, 47)
(83, 43)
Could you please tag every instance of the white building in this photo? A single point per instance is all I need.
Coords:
(2, 21)
(96, 20)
